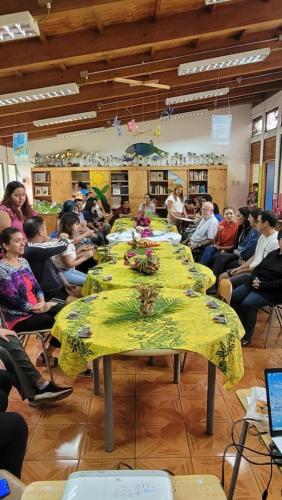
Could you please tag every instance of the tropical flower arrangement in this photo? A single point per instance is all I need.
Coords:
(146, 232)
(143, 221)
(147, 263)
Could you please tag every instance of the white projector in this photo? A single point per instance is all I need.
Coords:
(118, 485)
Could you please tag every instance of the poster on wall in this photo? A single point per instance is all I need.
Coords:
(221, 129)
(20, 147)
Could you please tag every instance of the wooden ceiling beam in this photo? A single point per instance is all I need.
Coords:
(57, 6)
(157, 106)
(157, 9)
(103, 92)
(134, 66)
(140, 35)
(16, 120)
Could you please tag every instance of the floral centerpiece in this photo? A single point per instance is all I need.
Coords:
(147, 263)
(143, 221)
(146, 232)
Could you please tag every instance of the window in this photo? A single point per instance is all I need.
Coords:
(257, 126)
(271, 121)
(12, 172)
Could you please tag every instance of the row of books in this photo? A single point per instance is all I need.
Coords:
(198, 176)
(157, 176)
(41, 191)
(159, 189)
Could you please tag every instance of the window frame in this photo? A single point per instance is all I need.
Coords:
(276, 109)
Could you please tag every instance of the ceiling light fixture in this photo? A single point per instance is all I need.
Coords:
(189, 114)
(65, 119)
(228, 61)
(17, 26)
(39, 94)
(81, 132)
(197, 96)
(212, 2)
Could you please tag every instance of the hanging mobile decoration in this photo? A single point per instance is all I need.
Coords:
(117, 124)
(167, 112)
(132, 125)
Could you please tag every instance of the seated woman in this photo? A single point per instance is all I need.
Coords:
(22, 300)
(147, 206)
(72, 257)
(175, 207)
(225, 239)
(96, 219)
(15, 207)
(244, 248)
(265, 289)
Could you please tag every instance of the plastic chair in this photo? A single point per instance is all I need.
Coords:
(42, 336)
(272, 311)
(16, 486)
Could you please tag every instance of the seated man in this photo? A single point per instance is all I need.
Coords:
(29, 382)
(39, 251)
(122, 211)
(13, 429)
(264, 289)
(267, 242)
(206, 230)
(208, 197)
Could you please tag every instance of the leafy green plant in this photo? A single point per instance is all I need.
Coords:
(100, 195)
(45, 207)
(129, 310)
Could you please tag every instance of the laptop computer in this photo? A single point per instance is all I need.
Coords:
(273, 384)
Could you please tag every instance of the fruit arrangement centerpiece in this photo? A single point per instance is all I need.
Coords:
(140, 242)
(146, 263)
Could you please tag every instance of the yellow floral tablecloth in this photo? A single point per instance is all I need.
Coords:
(176, 270)
(157, 224)
(179, 322)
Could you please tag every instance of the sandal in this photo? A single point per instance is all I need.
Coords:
(41, 361)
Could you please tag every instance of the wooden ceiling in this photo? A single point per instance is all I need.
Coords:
(146, 39)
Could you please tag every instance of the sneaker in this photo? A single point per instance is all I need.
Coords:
(51, 393)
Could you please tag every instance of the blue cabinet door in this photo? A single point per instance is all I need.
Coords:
(269, 185)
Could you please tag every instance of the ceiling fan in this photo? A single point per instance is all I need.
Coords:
(136, 83)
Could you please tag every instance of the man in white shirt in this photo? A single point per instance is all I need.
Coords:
(206, 230)
(267, 242)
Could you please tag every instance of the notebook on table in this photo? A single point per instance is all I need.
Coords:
(273, 384)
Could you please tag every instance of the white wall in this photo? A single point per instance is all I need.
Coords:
(192, 134)
(260, 110)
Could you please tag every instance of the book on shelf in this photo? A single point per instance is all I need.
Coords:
(158, 189)
(160, 176)
(153, 176)
(116, 190)
(196, 175)
(40, 177)
(45, 191)
(38, 191)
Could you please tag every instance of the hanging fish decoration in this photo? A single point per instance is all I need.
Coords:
(145, 149)
(117, 124)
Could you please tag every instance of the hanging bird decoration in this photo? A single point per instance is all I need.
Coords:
(157, 131)
(145, 149)
(167, 112)
(117, 124)
(132, 125)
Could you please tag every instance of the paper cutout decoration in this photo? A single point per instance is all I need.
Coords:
(221, 129)
(117, 125)
(132, 125)
(167, 112)
(157, 131)
(20, 147)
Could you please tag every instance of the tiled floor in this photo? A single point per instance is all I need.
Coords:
(157, 424)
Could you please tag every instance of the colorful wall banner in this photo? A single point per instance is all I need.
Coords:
(20, 147)
(221, 129)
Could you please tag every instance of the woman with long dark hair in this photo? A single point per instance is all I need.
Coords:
(15, 207)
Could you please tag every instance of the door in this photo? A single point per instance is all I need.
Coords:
(217, 181)
(269, 185)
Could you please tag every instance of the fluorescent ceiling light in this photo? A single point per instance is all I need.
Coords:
(212, 2)
(197, 96)
(65, 119)
(17, 26)
(250, 57)
(189, 114)
(39, 94)
(81, 132)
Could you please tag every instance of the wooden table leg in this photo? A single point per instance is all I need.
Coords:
(108, 404)
(96, 376)
(237, 462)
(176, 368)
(210, 397)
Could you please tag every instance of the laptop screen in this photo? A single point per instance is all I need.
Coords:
(273, 380)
